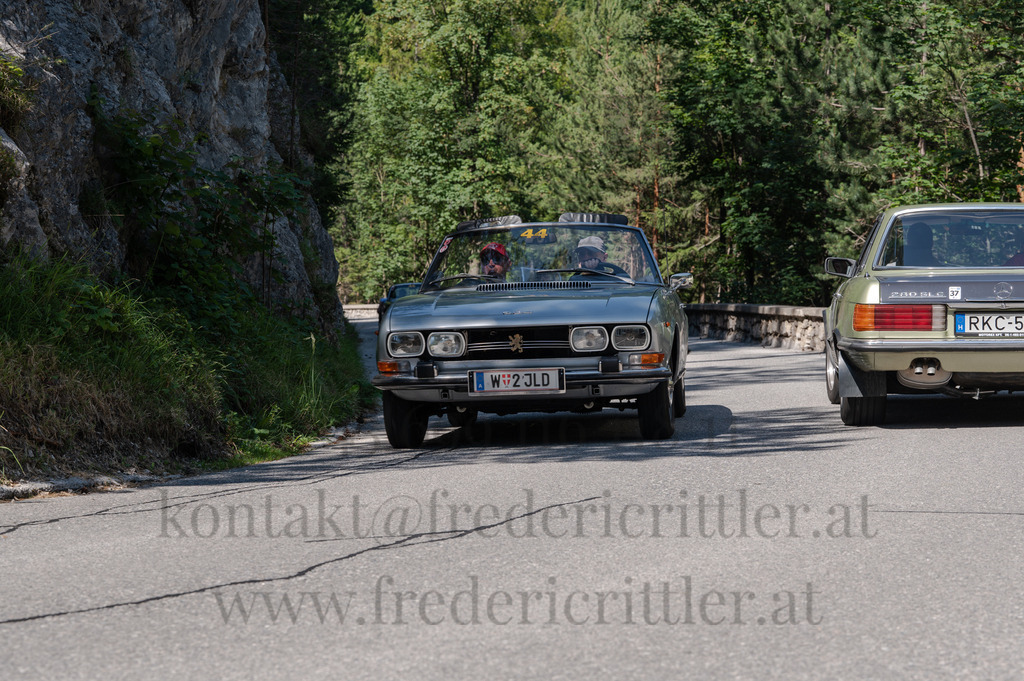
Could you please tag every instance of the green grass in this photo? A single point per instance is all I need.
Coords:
(253, 451)
(99, 378)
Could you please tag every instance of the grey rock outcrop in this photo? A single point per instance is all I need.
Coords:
(204, 62)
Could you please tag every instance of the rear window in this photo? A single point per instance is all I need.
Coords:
(955, 239)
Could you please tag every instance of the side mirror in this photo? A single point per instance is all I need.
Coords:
(841, 267)
(680, 280)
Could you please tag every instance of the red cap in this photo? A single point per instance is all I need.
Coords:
(496, 247)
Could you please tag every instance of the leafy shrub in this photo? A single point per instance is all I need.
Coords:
(14, 98)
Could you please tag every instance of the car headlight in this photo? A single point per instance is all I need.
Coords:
(634, 337)
(405, 344)
(588, 339)
(446, 344)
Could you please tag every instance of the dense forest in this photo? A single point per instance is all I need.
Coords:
(749, 139)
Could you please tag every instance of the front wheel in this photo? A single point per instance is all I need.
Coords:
(862, 411)
(678, 398)
(405, 422)
(655, 411)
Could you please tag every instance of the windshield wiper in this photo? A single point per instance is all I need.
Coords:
(586, 270)
(464, 275)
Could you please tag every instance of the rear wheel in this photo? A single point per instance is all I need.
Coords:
(832, 373)
(862, 411)
(655, 411)
(405, 422)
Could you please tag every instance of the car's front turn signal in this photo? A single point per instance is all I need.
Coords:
(647, 359)
(392, 367)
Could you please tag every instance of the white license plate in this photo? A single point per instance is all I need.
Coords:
(512, 381)
(989, 324)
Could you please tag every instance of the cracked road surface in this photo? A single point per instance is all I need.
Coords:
(764, 540)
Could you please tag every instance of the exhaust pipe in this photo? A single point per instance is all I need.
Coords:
(925, 373)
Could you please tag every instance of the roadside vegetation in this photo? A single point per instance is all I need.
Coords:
(97, 377)
(173, 363)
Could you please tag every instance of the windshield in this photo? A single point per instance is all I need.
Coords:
(402, 290)
(543, 253)
(955, 239)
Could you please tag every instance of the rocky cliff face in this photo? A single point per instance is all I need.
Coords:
(205, 62)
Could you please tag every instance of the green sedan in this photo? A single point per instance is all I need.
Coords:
(934, 304)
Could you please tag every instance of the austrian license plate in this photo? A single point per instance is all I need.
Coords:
(514, 381)
(1007, 324)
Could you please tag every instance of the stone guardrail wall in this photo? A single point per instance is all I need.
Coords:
(360, 311)
(775, 326)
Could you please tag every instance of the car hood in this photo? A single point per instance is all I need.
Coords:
(473, 309)
(952, 286)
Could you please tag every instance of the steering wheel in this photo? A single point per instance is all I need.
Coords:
(611, 268)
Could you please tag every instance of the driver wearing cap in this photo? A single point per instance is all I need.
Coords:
(494, 260)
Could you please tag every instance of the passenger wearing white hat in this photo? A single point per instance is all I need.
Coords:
(590, 252)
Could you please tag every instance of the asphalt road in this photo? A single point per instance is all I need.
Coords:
(764, 541)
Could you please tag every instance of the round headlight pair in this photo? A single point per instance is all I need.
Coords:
(438, 343)
(595, 338)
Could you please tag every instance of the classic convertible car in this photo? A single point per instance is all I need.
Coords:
(395, 292)
(935, 303)
(519, 316)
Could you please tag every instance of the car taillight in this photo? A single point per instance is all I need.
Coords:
(899, 318)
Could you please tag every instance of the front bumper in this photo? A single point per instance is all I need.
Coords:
(579, 385)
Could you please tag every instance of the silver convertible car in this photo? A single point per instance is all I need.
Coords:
(519, 316)
(935, 303)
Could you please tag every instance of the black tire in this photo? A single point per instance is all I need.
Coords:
(460, 419)
(832, 373)
(655, 411)
(862, 411)
(679, 398)
(404, 421)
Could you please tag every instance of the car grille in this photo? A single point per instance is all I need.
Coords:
(536, 342)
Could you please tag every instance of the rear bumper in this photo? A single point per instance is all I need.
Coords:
(955, 355)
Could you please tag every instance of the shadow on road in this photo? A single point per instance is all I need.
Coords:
(705, 430)
(940, 411)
